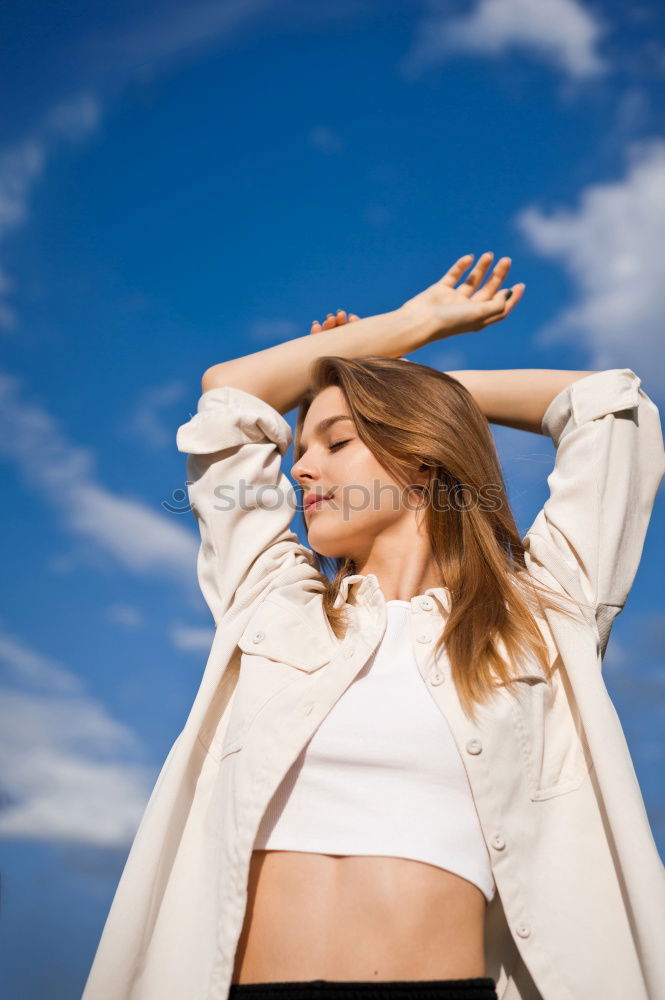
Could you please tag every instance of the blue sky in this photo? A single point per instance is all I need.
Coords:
(184, 184)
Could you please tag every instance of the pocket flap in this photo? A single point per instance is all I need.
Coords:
(279, 631)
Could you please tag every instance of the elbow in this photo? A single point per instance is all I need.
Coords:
(212, 378)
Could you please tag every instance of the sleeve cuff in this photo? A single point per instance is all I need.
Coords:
(591, 397)
(226, 417)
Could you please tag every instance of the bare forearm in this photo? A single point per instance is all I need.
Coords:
(516, 397)
(280, 375)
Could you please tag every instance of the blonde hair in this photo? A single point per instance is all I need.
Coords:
(478, 550)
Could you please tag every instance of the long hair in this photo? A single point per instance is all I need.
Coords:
(405, 412)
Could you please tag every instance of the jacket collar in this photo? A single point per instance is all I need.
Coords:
(364, 588)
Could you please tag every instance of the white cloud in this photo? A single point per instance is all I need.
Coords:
(27, 667)
(21, 166)
(107, 62)
(75, 118)
(136, 536)
(564, 33)
(125, 614)
(611, 247)
(161, 39)
(146, 421)
(192, 638)
(70, 772)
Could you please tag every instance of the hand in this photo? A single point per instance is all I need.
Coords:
(332, 320)
(444, 310)
(340, 319)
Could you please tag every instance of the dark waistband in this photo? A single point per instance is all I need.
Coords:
(478, 988)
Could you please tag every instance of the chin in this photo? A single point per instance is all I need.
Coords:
(327, 547)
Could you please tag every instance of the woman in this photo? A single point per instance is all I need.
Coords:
(329, 822)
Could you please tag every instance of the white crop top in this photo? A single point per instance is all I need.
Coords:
(382, 774)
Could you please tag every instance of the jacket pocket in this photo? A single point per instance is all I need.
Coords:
(280, 632)
(547, 726)
(279, 648)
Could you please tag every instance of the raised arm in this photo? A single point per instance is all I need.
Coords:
(242, 501)
(517, 397)
(280, 375)
(609, 463)
(610, 460)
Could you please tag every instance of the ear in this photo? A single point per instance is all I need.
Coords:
(421, 475)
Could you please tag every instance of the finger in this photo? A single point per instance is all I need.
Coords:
(496, 279)
(341, 317)
(329, 322)
(452, 276)
(316, 327)
(502, 307)
(473, 281)
(518, 292)
(353, 317)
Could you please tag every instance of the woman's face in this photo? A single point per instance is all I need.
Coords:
(366, 500)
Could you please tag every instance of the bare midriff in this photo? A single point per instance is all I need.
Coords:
(353, 918)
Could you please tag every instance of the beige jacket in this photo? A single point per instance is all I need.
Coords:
(580, 907)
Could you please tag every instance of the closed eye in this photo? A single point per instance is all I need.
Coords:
(338, 444)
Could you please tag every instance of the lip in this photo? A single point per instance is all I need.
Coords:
(312, 502)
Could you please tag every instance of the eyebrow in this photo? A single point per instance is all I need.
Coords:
(322, 426)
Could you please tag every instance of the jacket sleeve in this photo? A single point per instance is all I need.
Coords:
(241, 499)
(609, 463)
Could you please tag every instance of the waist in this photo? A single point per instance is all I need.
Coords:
(317, 916)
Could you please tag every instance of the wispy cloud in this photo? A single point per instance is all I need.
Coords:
(70, 772)
(73, 119)
(137, 537)
(29, 668)
(146, 423)
(191, 638)
(21, 166)
(125, 614)
(611, 247)
(563, 33)
(106, 64)
(171, 33)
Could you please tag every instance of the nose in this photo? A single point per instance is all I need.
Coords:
(300, 474)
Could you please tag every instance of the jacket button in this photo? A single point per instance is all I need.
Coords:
(523, 930)
(348, 652)
(426, 603)
(258, 636)
(497, 841)
(424, 637)
(436, 677)
(474, 746)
